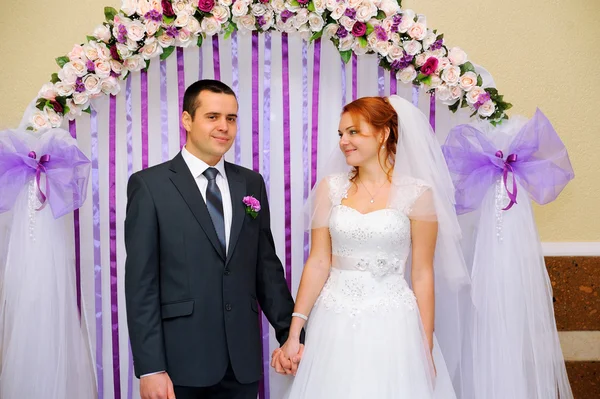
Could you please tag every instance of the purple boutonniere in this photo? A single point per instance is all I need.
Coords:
(252, 206)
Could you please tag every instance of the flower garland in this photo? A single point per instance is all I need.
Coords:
(145, 29)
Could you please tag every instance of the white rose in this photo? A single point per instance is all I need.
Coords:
(131, 45)
(412, 47)
(366, 11)
(408, 20)
(92, 84)
(330, 30)
(129, 7)
(300, 18)
(386, 24)
(439, 53)
(451, 75)
(442, 93)
(457, 56)
(359, 49)
(102, 68)
(258, 9)
(278, 5)
(68, 74)
(102, 33)
(395, 38)
(315, 21)
(194, 26)
(487, 108)
(64, 89)
(456, 92)
(473, 94)
(338, 11)
(151, 27)
(354, 3)
(420, 59)
(136, 31)
(74, 109)
(103, 52)
(210, 26)
(395, 52)
(407, 75)
(382, 47)
(54, 119)
(39, 120)
(156, 5)
(418, 31)
(443, 63)
(80, 67)
(468, 81)
(347, 23)
(165, 40)
(48, 91)
(116, 66)
(81, 99)
(372, 40)
(389, 7)
(183, 7)
(110, 86)
(182, 20)
(90, 51)
(123, 50)
(239, 8)
(134, 63)
(225, 3)
(76, 53)
(246, 22)
(319, 6)
(346, 43)
(304, 32)
(429, 40)
(184, 38)
(434, 81)
(143, 7)
(151, 49)
(331, 4)
(220, 13)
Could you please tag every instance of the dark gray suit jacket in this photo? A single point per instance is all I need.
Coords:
(190, 309)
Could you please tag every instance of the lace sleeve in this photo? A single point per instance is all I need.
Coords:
(328, 193)
(414, 198)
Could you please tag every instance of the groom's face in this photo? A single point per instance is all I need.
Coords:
(213, 127)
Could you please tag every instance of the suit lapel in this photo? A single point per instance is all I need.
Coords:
(186, 185)
(237, 189)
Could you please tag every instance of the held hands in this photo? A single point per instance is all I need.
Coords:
(156, 386)
(285, 360)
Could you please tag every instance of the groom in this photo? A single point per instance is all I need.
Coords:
(200, 261)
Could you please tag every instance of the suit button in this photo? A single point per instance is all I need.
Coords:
(228, 307)
(227, 272)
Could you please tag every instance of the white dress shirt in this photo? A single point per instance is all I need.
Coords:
(197, 167)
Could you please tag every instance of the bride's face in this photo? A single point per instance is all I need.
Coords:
(359, 141)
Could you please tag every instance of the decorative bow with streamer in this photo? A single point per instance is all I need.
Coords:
(62, 167)
(537, 160)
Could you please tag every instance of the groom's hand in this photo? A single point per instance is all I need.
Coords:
(156, 386)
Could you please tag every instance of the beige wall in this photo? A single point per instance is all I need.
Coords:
(542, 53)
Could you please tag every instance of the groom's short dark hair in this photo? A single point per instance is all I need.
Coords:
(190, 98)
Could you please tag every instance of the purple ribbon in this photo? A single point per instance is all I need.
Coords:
(305, 159)
(144, 116)
(181, 92)
(255, 125)
(235, 82)
(380, 81)
(343, 71)
(393, 83)
(285, 78)
(164, 112)
(538, 161)
(65, 169)
(432, 110)
(216, 57)
(354, 76)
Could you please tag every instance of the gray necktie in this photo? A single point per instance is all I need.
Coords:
(214, 203)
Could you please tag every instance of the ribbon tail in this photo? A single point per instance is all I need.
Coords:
(511, 195)
(40, 194)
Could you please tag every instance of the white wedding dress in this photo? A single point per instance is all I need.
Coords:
(364, 337)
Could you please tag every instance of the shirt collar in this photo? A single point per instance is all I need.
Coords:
(198, 166)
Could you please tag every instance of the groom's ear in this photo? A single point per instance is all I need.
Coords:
(186, 120)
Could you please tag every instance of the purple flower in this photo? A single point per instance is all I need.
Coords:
(437, 45)
(206, 5)
(114, 74)
(403, 62)
(482, 99)
(114, 53)
(285, 15)
(154, 16)
(57, 107)
(122, 34)
(260, 20)
(341, 32)
(172, 31)
(381, 33)
(79, 86)
(359, 29)
(167, 8)
(430, 66)
(350, 13)
(90, 66)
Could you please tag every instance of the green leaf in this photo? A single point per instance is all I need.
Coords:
(109, 14)
(30, 128)
(473, 114)
(464, 104)
(370, 29)
(61, 61)
(346, 55)
(40, 103)
(336, 41)
(316, 35)
(91, 39)
(426, 79)
(466, 67)
(66, 110)
(439, 37)
(380, 15)
(199, 42)
(61, 100)
(167, 52)
(147, 65)
(362, 41)
(507, 106)
(454, 106)
(88, 110)
(229, 30)
(311, 7)
(493, 91)
(54, 78)
(295, 3)
(479, 80)
(168, 20)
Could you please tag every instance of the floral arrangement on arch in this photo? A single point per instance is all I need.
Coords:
(145, 29)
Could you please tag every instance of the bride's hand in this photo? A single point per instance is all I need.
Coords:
(288, 356)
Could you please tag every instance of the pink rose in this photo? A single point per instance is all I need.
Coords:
(359, 29)
(430, 66)
(206, 5)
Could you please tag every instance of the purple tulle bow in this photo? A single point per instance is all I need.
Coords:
(537, 160)
(61, 165)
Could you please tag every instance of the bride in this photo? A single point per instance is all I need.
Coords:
(385, 268)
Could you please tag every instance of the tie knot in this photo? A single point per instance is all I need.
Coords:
(211, 173)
